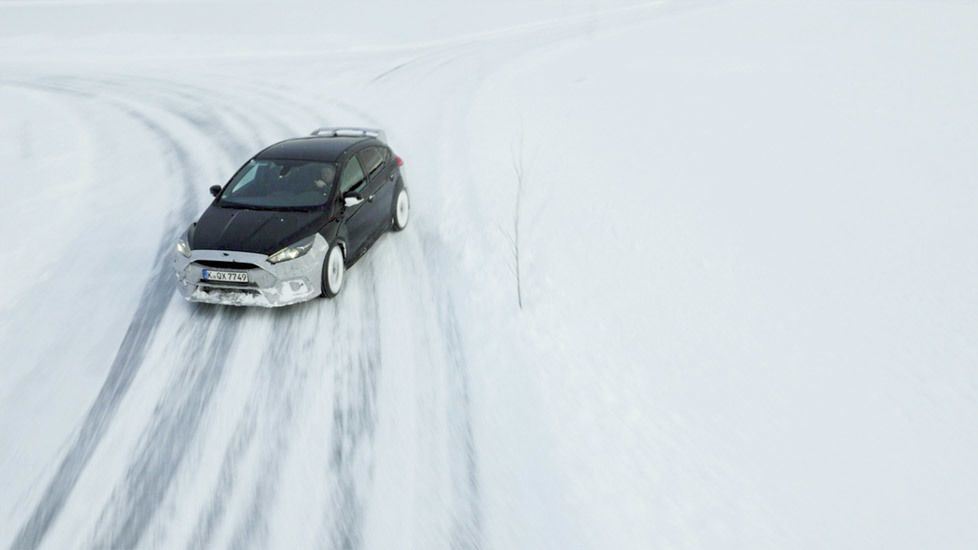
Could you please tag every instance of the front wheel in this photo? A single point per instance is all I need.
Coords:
(402, 210)
(334, 269)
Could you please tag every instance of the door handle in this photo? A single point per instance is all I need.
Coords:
(391, 177)
(371, 198)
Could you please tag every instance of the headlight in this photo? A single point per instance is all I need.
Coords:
(292, 252)
(183, 248)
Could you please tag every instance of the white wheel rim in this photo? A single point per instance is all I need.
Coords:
(403, 208)
(334, 270)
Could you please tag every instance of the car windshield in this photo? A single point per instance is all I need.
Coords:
(280, 184)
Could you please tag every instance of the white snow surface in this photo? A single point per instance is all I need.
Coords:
(748, 242)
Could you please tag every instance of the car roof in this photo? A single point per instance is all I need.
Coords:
(320, 148)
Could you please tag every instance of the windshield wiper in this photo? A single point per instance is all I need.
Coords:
(241, 206)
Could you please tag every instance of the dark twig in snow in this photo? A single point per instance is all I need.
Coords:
(518, 169)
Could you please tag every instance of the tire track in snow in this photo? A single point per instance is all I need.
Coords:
(277, 401)
(281, 390)
(313, 115)
(354, 420)
(182, 408)
(448, 348)
(412, 62)
(136, 502)
(131, 352)
(145, 488)
(270, 409)
(467, 521)
(138, 515)
(354, 415)
(176, 420)
(346, 528)
(201, 114)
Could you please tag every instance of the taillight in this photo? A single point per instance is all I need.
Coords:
(398, 160)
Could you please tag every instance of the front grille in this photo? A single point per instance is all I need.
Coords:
(217, 264)
(224, 290)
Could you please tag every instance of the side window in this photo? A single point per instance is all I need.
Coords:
(352, 176)
(373, 160)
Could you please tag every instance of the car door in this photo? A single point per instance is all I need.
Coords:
(380, 186)
(356, 218)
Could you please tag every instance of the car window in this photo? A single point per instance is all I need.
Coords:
(352, 175)
(274, 184)
(373, 160)
(247, 178)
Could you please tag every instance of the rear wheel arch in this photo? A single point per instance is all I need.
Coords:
(400, 213)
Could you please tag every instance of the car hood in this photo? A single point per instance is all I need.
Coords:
(258, 231)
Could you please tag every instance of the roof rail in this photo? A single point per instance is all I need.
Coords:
(350, 132)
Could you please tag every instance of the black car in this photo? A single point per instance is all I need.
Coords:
(290, 222)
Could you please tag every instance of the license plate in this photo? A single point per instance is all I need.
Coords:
(225, 276)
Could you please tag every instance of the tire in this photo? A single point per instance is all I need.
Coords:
(402, 210)
(334, 271)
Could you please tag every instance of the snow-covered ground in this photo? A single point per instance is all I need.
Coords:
(748, 261)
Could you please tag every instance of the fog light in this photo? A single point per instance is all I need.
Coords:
(294, 288)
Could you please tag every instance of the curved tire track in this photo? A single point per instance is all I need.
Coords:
(182, 407)
(129, 356)
(145, 320)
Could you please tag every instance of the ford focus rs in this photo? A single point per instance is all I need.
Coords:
(289, 223)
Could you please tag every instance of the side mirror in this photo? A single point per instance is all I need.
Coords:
(351, 198)
(215, 190)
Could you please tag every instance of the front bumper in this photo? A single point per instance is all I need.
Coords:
(269, 285)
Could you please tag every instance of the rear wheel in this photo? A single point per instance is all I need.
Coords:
(402, 210)
(334, 271)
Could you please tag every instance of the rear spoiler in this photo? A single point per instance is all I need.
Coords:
(350, 132)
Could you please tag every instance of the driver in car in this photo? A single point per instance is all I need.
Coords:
(326, 174)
